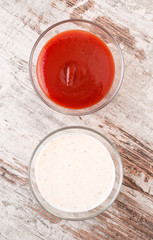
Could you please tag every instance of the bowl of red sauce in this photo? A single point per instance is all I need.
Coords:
(76, 67)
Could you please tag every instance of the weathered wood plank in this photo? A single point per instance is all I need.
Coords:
(127, 120)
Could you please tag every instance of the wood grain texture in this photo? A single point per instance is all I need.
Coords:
(127, 120)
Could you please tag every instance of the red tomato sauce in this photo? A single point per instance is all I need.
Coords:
(75, 69)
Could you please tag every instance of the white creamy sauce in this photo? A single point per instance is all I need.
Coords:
(75, 172)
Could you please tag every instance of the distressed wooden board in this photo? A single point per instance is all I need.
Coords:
(127, 120)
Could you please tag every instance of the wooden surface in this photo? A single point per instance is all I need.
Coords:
(127, 120)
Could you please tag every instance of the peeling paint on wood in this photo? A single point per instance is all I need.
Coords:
(127, 120)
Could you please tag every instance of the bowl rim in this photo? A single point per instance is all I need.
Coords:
(95, 132)
(76, 112)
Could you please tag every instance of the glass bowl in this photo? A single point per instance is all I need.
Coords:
(76, 215)
(95, 29)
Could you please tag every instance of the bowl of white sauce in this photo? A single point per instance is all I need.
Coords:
(75, 173)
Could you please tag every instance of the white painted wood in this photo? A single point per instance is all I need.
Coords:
(127, 120)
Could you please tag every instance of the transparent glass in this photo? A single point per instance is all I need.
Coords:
(76, 215)
(95, 29)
